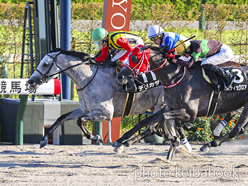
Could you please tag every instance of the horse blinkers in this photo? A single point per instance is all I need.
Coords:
(134, 59)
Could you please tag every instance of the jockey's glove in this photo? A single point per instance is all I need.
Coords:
(115, 63)
(92, 60)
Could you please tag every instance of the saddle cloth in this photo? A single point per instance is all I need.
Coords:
(239, 84)
(146, 81)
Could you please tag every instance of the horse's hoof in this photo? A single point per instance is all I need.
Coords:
(119, 149)
(43, 143)
(188, 147)
(205, 148)
(117, 144)
(97, 138)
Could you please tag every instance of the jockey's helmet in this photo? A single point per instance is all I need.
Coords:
(154, 31)
(98, 35)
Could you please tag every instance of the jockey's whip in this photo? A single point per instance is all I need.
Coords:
(185, 41)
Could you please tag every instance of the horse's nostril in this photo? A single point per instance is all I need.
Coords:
(120, 77)
(30, 81)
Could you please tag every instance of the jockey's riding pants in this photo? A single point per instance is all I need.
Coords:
(223, 56)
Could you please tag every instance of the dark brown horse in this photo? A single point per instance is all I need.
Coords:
(189, 94)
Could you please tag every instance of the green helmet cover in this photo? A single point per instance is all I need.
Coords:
(98, 34)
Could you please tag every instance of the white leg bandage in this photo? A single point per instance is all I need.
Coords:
(219, 128)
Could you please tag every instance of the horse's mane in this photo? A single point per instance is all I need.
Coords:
(80, 55)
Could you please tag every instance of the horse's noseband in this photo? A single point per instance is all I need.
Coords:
(45, 76)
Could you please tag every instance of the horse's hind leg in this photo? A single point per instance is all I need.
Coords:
(218, 129)
(243, 120)
(242, 131)
(222, 124)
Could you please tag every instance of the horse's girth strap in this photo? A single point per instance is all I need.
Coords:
(213, 103)
(128, 104)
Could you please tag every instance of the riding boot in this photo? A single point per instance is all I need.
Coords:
(130, 86)
(226, 75)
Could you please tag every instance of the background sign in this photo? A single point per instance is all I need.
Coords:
(20, 86)
(116, 15)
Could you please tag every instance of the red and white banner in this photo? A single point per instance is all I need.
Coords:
(116, 15)
(20, 86)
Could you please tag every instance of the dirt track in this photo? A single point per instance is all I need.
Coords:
(140, 164)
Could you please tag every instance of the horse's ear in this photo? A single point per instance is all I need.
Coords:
(56, 50)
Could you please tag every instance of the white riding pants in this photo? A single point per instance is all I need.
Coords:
(223, 56)
(122, 52)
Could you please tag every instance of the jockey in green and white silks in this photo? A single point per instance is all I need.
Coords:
(170, 39)
(214, 53)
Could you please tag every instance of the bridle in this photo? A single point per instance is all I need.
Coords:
(170, 55)
(45, 76)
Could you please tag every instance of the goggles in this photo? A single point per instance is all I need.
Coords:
(154, 38)
(98, 44)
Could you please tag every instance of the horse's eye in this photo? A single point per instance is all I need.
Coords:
(45, 64)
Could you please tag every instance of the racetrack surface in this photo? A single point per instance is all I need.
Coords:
(140, 164)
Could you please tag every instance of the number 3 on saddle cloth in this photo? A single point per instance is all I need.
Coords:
(239, 84)
(139, 60)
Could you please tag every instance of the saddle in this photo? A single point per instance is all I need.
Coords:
(217, 84)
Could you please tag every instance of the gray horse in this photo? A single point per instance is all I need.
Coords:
(98, 91)
(190, 94)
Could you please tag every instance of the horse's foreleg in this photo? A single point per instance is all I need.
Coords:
(150, 130)
(182, 136)
(96, 115)
(86, 132)
(176, 115)
(65, 117)
(174, 143)
(170, 129)
(145, 122)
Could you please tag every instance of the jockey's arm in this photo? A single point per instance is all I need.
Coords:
(103, 55)
(186, 64)
(125, 45)
(168, 42)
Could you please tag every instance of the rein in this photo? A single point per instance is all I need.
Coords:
(78, 89)
(165, 61)
(174, 84)
(45, 76)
